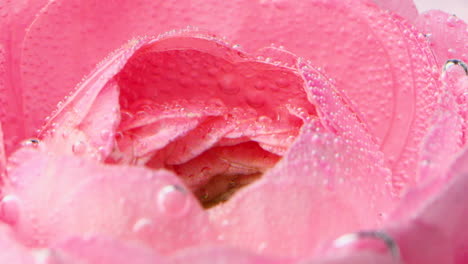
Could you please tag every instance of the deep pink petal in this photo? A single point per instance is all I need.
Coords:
(56, 197)
(404, 8)
(323, 31)
(15, 17)
(437, 224)
(332, 181)
(2, 155)
(446, 33)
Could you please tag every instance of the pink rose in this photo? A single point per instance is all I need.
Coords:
(322, 131)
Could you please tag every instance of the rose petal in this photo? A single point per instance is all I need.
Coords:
(84, 197)
(219, 255)
(329, 182)
(404, 8)
(98, 250)
(16, 16)
(318, 30)
(446, 33)
(2, 155)
(11, 250)
(353, 257)
(446, 136)
(436, 225)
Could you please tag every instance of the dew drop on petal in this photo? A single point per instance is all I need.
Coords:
(32, 143)
(227, 84)
(143, 226)
(79, 147)
(9, 209)
(173, 200)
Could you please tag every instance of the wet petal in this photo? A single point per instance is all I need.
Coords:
(62, 196)
(437, 224)
(98, 250)
(11, 250)
(446, 34)
(404, 8)
(2, 155)
(333, 180)
(16, 16)
(220, 255)
(397, 109)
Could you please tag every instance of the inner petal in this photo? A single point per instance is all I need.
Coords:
(217, 119)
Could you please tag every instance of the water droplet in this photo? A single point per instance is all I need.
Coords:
(173, 200)
(452, 21)
(32, 143)
(79, 147)
(227, 84)
(105, 134)
(9, 209)
(453, 62)
(255, 100)
(143, 226)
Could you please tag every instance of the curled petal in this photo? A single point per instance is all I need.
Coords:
(87, 198)
(435, 225)
(446, 33)
(404, 8)
(97, 250)
(331, 181)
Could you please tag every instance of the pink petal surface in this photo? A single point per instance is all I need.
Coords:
(16, 15)
(404, 8)
(55, 197)
(317, 29)
(100, 250)
(436, 225)
(11, 251)
(220, 255)
(446, 33)
(447, 135)
(331, 181)
(2, 155)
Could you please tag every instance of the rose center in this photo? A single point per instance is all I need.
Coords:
(218, 121)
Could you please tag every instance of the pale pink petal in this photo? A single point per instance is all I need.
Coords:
(11, 251)
(55, 197)
(353, 257)
(404, 8)
(331, 181)
(446, 136)
(446, 34)
(100, 250)
(397, 109)
(437, 224)
(220, 255)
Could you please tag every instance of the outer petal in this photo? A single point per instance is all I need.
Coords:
(320, 30)
(51, 198)
(2, 155)
(219, 255)
(332, 180)
(436, 225)
(404, 8)
(446, 33)
(457, 7)
(100, 250)
(15, 17)
(11, 251)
